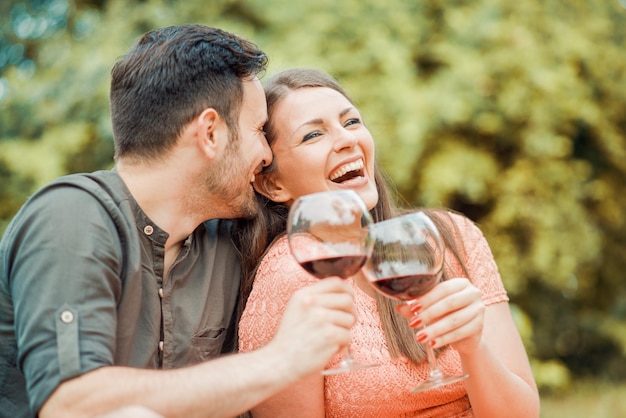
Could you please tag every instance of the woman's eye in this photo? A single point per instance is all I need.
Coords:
(352, 121)
(311, 135)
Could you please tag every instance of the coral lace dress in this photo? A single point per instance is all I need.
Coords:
(383, 391)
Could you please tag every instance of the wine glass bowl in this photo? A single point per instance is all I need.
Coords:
(406, 262)
(407, 258)
(328, 235)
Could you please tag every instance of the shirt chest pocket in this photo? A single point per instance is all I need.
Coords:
(207, 344)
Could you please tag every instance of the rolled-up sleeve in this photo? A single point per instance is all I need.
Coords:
(65, 284)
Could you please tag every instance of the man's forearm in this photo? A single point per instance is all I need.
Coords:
(223, 387)
(315, 325)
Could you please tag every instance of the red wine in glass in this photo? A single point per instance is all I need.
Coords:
(344, 266)
(406, 287)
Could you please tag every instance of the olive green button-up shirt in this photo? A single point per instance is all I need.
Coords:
(82, 287)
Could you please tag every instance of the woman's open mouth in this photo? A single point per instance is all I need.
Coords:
(348, 172)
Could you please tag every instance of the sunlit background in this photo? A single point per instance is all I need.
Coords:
(513, 113)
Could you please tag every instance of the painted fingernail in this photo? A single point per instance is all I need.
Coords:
(416, 307)
(421, 337)
(433, 343)
(415, 322)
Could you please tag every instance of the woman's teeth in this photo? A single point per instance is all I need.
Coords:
(353, 166)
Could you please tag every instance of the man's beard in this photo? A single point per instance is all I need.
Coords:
(229, 180)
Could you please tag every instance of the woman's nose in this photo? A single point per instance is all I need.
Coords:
(345, 139)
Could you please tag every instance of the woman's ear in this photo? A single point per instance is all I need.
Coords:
(266, 184)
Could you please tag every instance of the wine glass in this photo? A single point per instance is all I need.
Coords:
(406, 262)
(329, 236)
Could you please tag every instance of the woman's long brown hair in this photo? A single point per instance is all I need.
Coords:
(254, 236)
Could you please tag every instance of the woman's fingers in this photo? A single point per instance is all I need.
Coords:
(452, 313)
(462, 329)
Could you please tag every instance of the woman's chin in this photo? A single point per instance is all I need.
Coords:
(369, 196)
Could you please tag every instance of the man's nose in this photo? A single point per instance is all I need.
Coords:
(267, 154)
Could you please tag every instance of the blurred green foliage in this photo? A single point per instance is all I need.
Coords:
(513, 113)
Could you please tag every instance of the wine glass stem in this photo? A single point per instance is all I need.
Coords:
(347, 359)
(435, 371)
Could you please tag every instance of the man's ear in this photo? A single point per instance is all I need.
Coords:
(211, 130)
(267, 185)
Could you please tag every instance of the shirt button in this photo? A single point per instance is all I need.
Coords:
(161, 292)
(67, 316)
(148, 230)
(160, 345)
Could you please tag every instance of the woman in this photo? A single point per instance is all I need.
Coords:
(320, 142)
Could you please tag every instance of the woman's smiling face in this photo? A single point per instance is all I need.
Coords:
(320, 144)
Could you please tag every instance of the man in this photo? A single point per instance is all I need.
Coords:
(111, 282)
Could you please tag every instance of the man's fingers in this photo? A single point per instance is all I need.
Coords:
(328, 293)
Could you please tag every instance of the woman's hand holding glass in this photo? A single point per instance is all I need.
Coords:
(454, 311)
(406, 263)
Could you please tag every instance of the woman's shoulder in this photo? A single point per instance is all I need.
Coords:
(463, 230)
(476, 255)
(453, 219)
(279, 247)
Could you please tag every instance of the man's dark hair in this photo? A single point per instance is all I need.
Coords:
(169, 77)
